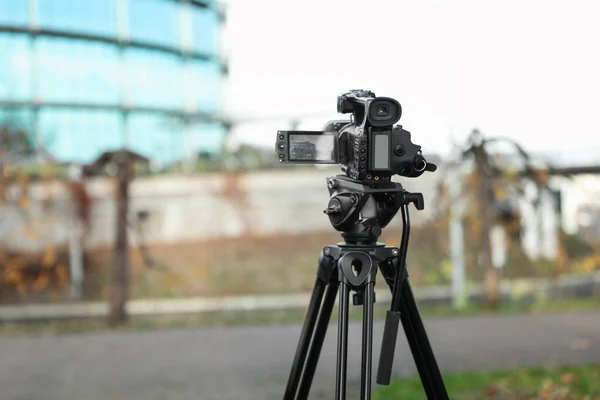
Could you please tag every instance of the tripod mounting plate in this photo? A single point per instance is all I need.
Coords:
(355, 264)
(343, 182)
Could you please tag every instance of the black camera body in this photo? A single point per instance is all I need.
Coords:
(369, 147)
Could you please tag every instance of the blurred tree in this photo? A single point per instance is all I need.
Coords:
(492, 187)
(15, 143)
(576, 247)
(122, 161)
(485, 196)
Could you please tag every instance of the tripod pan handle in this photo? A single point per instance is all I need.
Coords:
(388, 347)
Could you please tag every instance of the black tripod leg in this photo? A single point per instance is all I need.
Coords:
(304, 341)
(425, 361)
(317, 343)
(342, 350)
(367, 342)
(429, 372)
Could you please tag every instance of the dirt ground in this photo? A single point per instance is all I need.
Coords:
(279, 264)
(237, 266)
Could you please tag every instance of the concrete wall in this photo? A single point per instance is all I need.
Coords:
(188, 208)
(47, 218)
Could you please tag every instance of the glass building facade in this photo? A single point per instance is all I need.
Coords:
(86, 76)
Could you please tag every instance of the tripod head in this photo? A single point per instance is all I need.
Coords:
(360, 211)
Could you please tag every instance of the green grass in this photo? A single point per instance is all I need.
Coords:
(273, 317)
(574, 382)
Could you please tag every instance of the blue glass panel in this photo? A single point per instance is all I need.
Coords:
(155, 21)
(17, 118)
(14, 12)
(77, 70)
(153, 78)
(205, 29)
(157, 137)
(15, 67)
(207, 78)
(83, 16)
(80, 135)
(208, 137)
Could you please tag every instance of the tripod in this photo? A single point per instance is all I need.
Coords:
(360, 212)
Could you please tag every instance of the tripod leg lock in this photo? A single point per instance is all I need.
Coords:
(393, 273)
(327, 260)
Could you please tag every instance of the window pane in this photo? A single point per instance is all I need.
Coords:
(80, 135)
(157, 137)
(89, 16)
(15, 67)
(17, 118)
(207, 78)
(13, 12)
(153, 79)
(77, 70)
(154, 21)
(205, 28)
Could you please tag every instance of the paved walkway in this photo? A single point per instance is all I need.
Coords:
(252, 363)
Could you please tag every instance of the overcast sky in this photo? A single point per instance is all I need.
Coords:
(524, 69)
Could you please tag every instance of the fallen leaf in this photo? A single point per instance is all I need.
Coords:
(567, 377)
(12, 276)
(41, 282)
(22, 289)
(63, 273)
(16, 263)
(546, 392)
(492, 389)
(49, 257)
(54, 295)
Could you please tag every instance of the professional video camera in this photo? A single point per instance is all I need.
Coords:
(369, 147)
